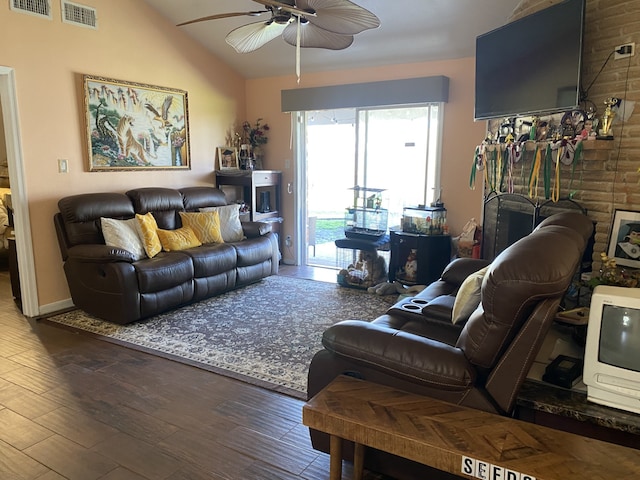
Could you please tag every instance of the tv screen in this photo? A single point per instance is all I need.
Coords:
(532, 65)
(620, 337)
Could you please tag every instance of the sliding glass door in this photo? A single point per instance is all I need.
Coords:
(395, 149)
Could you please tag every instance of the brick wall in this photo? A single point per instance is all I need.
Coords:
(607, 178)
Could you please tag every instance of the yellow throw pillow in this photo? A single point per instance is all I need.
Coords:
(468, 296)
(178, 239)
(147, 229)
(206, 225)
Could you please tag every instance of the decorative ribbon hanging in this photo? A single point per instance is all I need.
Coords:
(535, 173)
(523, 174)
(497, 170)
(548, 160)
(512, 157)
(491, 156)
(555, 193)
(476, 165)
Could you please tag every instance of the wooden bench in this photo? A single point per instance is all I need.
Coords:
(459, 440)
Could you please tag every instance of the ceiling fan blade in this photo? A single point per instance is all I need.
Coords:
(339, 16)
(223, 15)
(249, 38)
(315, 37)
(287, 7)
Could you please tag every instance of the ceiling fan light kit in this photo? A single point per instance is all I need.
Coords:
(328, 24)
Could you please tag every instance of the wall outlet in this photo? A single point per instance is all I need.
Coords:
(287, 241)
(629, 50)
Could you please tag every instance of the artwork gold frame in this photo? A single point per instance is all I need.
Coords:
(624, 241)
(228, 158)
(133, 126)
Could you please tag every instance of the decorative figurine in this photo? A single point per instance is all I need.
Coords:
(607, 119)
(411, 266)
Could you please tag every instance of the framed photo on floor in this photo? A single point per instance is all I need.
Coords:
(228, 158)
(133, 126)
(624, 240)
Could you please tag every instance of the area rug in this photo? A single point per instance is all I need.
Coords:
(265, 333)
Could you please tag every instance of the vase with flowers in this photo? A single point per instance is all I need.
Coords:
(256, 135)
(612, 274)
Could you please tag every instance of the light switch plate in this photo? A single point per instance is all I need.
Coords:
(63, 165)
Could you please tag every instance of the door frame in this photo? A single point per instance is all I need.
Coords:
(300, 250)
(22, 223)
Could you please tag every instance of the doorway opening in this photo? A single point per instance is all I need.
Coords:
(20, 210)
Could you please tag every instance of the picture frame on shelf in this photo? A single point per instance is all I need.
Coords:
(135, 126)
(624, 239)
(228, 158)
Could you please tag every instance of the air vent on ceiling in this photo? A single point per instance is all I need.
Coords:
(40, 8)
(80, 15)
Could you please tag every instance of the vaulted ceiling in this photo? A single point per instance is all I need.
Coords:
(410, 31)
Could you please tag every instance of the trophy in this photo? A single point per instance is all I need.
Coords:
(607, 119)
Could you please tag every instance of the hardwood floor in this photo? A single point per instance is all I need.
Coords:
(320, 274)
(74, 407)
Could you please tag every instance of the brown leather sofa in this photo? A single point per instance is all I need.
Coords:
(481, 363)
(108, 283)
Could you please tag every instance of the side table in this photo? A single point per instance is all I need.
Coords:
(429, 253)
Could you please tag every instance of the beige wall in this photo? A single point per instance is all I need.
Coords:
(461, 133)
(132, 43)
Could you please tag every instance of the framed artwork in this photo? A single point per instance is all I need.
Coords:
(228, 158)
(624, 241)
(132, 126)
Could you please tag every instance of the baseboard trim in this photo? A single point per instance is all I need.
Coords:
(55, 307)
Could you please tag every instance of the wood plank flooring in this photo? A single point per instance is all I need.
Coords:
(73, 407)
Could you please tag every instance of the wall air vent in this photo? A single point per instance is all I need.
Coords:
(80, 15)
(39, 8)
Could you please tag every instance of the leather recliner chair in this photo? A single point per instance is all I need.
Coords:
(480, 364)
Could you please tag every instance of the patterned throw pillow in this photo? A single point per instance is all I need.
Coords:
(206, 225)
(123, 234)
(230, 226)
(147, 229)
(468, 296)
(178, 239)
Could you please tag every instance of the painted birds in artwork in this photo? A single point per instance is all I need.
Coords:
(163, 117)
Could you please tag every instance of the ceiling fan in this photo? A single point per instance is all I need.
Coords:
(329, 24)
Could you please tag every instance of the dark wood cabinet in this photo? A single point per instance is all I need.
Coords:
(418, 259)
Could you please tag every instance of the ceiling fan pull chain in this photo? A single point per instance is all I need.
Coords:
(298, 49)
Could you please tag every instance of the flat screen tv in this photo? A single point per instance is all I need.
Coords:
(531, 66)
(612, 351)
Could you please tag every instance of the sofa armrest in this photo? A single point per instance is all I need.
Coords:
(255, 229)
(94, 253)
(459, 269)
(400, 354)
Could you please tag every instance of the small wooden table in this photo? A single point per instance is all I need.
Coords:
(455, 439)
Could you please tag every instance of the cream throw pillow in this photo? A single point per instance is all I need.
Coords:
(206, 225)
(178, 239)
(148, 231)
(468, 297)
(230, 226)
(123, 234)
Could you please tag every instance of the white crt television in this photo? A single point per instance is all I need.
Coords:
(612, 352)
